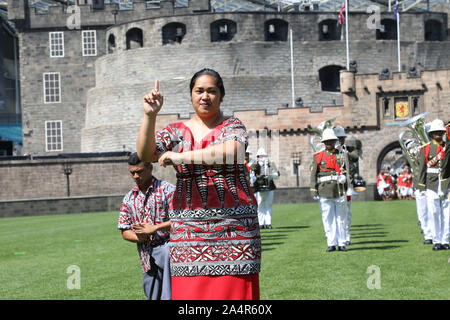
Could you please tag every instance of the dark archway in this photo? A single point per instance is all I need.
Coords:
(111, 43)
(433, 31)
(173, 32)
(223, 30)
(134, 38)
(276, 30)
(329, 30)
(391, 156)
(388, 30)
(329, 77)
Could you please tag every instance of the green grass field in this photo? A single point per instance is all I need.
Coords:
(36, 253)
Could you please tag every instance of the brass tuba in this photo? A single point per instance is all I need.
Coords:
(314, 141)
(412, 139)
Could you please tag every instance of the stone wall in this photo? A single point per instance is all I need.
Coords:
(45, 178)
(50, 206)
(101, 95)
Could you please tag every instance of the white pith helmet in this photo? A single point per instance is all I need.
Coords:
(339, 132)
(436, 125)
(328, 134)
(261, 152)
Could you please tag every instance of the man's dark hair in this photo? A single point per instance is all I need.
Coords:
(133, 159)
(210, 72)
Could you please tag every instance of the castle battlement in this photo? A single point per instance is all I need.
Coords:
(108, 15)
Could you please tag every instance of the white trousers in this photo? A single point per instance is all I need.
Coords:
(333, 210)
(347, 219)
(440, 217)
(265, 201)
(423, 214)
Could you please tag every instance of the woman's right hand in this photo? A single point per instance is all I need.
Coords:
(153, 101)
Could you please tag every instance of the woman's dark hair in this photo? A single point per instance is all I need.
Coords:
(210, 72)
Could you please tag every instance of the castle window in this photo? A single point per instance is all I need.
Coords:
(89, 42)
(329, 31)
(415, 101)
(134, 38)
(52, 87)
(386, 107)
(56, 40)
(53, 136)
(111, 43)
(388, 30)
(173, 32)
(222, 30)
(275, 30)
(330, 78)
(433, 31)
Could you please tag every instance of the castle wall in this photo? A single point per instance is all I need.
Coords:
(101, 96)
(76, 78)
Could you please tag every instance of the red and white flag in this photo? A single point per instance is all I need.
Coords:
(342, 14)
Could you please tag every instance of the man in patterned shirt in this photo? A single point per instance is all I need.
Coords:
(143, 219)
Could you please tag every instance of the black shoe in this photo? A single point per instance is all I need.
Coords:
(347, 243)
(428, 241)
(437, 246)
(269, 226)
(445, 247)
(261, 226)
(342, 248)
(331, 248)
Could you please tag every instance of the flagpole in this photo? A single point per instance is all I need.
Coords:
(346, 34)
(292, 68)
(398, 42)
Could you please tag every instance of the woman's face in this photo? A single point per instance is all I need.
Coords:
(205, 96)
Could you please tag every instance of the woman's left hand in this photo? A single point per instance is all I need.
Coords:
(170, 158)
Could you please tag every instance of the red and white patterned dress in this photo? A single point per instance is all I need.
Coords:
(214, 237)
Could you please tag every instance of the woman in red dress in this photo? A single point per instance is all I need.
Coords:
(215, 239)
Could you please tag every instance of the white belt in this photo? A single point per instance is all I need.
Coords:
(327, 178)
(432, 170)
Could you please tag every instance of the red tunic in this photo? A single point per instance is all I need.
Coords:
(214, 236)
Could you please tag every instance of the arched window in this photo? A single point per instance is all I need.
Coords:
(222, 30)
(134, 38)
(328, 30)
(433, 31)
(173, 32)
(330, 78)
(275, 30)
(388, 30)
(111, 43)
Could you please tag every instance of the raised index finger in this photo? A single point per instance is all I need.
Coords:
(156, 85)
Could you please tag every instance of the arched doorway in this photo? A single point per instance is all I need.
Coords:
(391, 159)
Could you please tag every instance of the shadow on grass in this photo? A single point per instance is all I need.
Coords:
(278, 233)
(367, 225)
(379, 241)
(374, 248)
(366, 229)
(370, 236)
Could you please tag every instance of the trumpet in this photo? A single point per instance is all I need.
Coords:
(412, 139)
(314, 141)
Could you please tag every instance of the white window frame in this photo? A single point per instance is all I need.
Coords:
(52, 145)
(92, 36)
(56, 39)
(45, 82)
